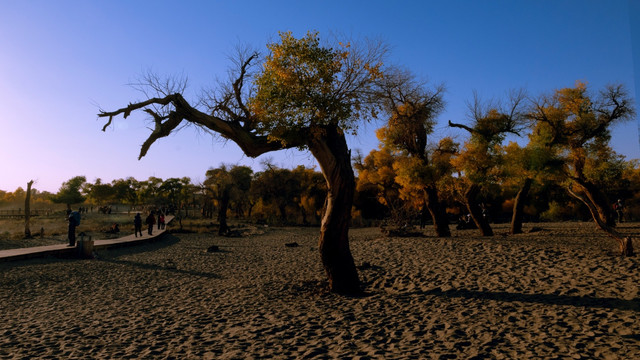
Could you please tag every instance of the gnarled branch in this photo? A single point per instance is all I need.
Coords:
(251, 143)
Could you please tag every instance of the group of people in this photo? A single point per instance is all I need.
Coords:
(150, 221)
(73, 218)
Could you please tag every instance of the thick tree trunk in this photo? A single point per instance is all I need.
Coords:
(625, 243)
(27, 211)
(518, 207)
(334, 157)
(470, 198)
(438, 213)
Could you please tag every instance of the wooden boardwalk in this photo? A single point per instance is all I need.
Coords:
(69, 251)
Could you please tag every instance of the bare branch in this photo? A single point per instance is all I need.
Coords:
(461, 126)
(126, 111)
(237, 85)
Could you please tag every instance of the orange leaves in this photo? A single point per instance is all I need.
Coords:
(574, 100)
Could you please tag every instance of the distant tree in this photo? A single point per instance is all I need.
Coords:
(377, 176)
(149, 191)
(223, 184)
(306, 96)
(126, 190)
(313, 191)
(99, 193)
(579, 125)
(70, 192)
(420, 166)
(173, 192)
(17, 195)
(280, 187)
(242, 176)
(479, 159)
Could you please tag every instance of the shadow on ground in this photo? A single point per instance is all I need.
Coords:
(546, 299)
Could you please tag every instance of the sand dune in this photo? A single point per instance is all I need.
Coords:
(555, 293)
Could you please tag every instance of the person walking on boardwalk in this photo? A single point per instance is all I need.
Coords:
(160, 220)
(150, 221)
(137, 224)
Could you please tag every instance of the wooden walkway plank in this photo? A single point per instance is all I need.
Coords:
(65, 250)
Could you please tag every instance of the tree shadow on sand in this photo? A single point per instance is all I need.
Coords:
(167, 266)
(163, 241)
(546, 299)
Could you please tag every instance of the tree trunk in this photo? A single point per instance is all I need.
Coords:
(438, 213)
(334, 157)
(303, 212)
(625, 243)
(600, 201)
(222, 215)
(518, 207)
(283, 213)
(27, 211)
(250, 209)
(470, 198)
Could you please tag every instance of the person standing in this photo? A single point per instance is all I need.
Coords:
(74, 220)
(619, 208)
(150, 221)
(137, 224)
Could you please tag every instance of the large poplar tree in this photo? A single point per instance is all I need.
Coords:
(578, 124)
(306, 95)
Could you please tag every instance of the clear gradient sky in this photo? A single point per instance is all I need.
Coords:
(61, 61)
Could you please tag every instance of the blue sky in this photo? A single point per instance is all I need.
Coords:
(61, 61)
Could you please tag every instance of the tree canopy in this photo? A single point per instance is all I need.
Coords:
(70, 191)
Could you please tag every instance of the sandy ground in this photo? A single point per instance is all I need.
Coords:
(554, 293)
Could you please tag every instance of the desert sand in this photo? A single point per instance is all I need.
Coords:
(554, 293)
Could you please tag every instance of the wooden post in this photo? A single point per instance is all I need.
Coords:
(85, 247)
